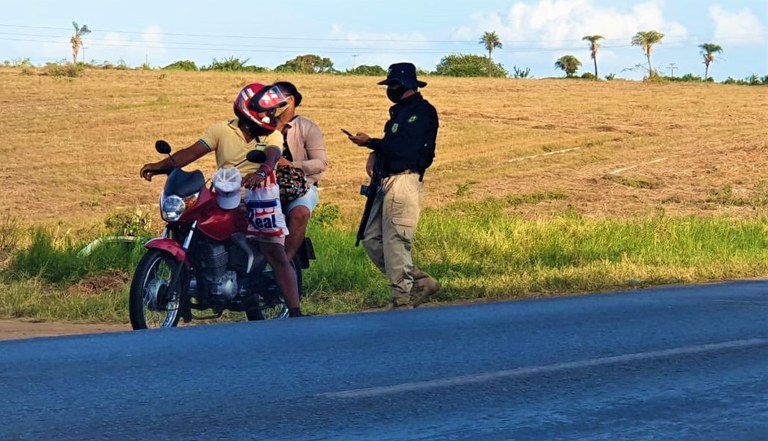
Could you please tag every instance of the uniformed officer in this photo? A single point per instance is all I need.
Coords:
(401, 157)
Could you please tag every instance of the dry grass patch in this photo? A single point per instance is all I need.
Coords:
(73, 146)
(110, 281)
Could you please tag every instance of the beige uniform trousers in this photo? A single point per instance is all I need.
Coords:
(391, 227)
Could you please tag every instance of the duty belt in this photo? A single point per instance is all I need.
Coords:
(404, 172)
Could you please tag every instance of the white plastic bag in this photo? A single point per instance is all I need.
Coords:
(265, 214)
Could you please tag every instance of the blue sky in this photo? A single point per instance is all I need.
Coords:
(535, 33)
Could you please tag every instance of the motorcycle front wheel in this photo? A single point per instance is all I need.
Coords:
(153, 303)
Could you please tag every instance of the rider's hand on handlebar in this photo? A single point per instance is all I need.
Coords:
(149, 170)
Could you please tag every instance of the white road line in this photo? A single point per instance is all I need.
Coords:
(534, 370)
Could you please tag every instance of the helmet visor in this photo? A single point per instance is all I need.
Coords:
(268, 99)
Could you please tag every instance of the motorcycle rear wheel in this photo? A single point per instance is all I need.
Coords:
(280, 310)
(150, 305)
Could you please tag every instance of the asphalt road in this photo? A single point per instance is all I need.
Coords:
(683, 363)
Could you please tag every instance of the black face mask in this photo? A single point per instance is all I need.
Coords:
(395, 92)
(257, 131)
(254, 129)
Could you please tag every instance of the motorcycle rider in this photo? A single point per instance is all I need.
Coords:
(257, 108)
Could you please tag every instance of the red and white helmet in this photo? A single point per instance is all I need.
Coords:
(261, 104)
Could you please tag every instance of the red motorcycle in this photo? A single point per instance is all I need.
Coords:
(204, 259)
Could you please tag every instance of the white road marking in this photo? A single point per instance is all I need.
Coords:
(464, 380)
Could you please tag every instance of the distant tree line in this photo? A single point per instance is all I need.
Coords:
(468, 65)
(455, 65)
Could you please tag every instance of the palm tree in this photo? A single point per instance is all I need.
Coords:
(569, 64)
(647, 39)
(77, 39)
(593, 46)
(708, 51)
(490, 41)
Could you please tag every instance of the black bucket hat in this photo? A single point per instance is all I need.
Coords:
(403, 73)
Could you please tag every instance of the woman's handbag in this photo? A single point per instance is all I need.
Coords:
(292, 183)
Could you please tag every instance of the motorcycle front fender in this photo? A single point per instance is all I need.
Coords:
(170, 246)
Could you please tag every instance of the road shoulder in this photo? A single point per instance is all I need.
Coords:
(11, 329)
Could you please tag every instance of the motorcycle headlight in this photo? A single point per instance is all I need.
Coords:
(172, 207)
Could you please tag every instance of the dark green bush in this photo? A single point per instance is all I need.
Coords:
(469, 66)
(186, 65)
(233, 64)
(374, 71)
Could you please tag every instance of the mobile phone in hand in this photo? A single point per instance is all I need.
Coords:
(347, 133)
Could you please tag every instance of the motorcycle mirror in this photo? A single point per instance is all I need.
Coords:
(256, 156)
(162, 146)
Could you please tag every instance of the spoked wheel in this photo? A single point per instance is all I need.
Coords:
(277, 310)
(152, 302)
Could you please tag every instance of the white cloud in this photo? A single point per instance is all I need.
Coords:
(394, 40)
(41, 53)
(114, 47)
(561, 23)
(153, 35)
(391, 47)
(736, 28)
(464, 33)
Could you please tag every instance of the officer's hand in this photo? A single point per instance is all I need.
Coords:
(360, 139)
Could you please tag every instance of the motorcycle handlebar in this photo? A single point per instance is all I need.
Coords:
(162, 147)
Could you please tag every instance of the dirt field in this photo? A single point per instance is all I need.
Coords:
(12, 329)
(615, 148)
